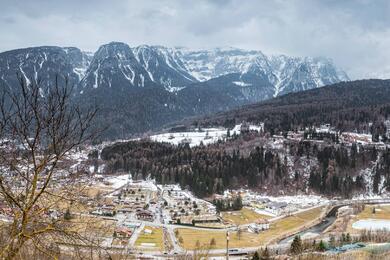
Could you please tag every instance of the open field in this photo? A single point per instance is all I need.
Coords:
(192, 237)
(381, 212)
(156, 237)
(93, 226)
(243, 216)
(278, 228)
(291, 223)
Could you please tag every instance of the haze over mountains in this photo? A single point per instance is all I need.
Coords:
(142, 88)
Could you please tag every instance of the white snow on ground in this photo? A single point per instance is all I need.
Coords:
(118, 181)
(372, 224)
(205, 136)
(302, 200)
(148, 184)
(236, 129)
(257, 128)
(121, 180)
(91, 169)
(275, 144)
(371, 196)
(264, 212)
(368, 175)
(241, 83)
(77, 156)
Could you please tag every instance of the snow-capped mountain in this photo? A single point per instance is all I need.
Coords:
(145, 87)
(298, 74)
(44, 64)
(285, 74)
(118, 65)
(115, 65)
(164, 66)
(207, 64)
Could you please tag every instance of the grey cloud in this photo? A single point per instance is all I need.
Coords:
(354, 33)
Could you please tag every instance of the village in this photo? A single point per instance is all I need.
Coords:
(141, 216)
(146, 214)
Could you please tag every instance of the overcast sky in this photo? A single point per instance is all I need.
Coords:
(355, 33)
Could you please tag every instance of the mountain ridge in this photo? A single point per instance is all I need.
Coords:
(167, 83)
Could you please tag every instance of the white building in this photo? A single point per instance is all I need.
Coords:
(259, 226)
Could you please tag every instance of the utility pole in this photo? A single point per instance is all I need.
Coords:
(227, 245)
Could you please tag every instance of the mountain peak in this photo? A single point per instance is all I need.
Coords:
(165, 84)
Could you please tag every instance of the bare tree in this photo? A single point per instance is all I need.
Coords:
(39, 127)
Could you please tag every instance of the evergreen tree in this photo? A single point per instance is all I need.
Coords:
(265, 255)
(67, 215)
(348, 238)
(321, 246)
(296, 246)
(256, 256)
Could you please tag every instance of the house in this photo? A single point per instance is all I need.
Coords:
(123, 232)
(145, 215)
(348, 137)
(276, 207)
(53, 214)
(205, 218)
(105, 210)
(260, 225)
(295, 135)
(125, 209)
(324, 128)
(132, 225)
(108, 210)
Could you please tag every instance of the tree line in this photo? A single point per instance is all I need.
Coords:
(208, 170)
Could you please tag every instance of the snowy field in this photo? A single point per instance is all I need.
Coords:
(372, 224)
(302, 201)
(119, 181)
(205, 136)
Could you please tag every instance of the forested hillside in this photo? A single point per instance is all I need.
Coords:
(346, 106)
(295, 167)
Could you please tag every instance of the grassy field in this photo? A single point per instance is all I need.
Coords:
(243, 216)
(155, 237)
(381, 212)
(286, 225)
(191, 238)
(93, 225)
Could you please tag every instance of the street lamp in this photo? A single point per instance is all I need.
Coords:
(227, 245)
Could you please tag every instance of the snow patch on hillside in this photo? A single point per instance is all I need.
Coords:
(204, 136)
(241, 84)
